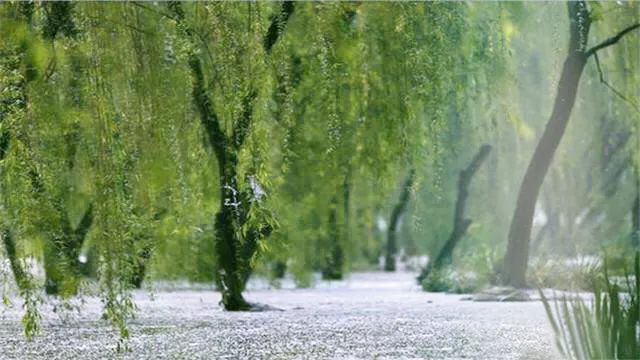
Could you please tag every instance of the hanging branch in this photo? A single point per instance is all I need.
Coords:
(615, 91)
(278, 23)
(611, 41)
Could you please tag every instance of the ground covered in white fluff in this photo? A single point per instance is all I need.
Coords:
(370, 315)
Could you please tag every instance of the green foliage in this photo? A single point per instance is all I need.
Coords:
(605, 327)
(561, 275)
(438, 280)
(468, 274)
(31, 318)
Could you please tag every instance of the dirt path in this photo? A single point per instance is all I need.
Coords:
(372, 315)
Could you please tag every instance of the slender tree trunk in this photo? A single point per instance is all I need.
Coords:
(346, 206)
(396, 214)
(18, 272)
(635, 213)
(279, 269)
(63, 268)
(517, 256)
(334, 264)
(140, 265)
(145, 249)
(460, 222)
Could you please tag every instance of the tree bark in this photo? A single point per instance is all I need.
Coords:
(460, 222)
(396, 213)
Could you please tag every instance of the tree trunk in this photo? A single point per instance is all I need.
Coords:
(18, 272)
(63, 268)
(516, 258)
(635, 214)
(396, 214)
(333, 269)
(227, 242)
(140, 266)
(279, 269)
(346, 206)
(460, 222)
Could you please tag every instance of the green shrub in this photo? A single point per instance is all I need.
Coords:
(469, 273)
(437, 281)
(449, 280)
(564, 274)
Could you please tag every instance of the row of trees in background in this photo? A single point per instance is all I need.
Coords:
(212, 140)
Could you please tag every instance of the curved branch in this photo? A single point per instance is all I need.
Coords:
(614, 90)
(612, 40)
(208, 117)
(278, 23)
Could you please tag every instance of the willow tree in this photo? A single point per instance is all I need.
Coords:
(227, 110)
(14, 74)
(29, 64)
(580, 21)
(370, 92)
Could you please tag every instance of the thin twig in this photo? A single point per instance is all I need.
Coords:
(615, 91)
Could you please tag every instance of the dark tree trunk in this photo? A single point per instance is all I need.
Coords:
(333, 268)
(61, 265)
(140, 265)
(346, 206)
(517, 256)
(18, 272)
(63, 268)
(145, 246)
(460, 222)
(396, 214)
(635, 214)
(279, 269)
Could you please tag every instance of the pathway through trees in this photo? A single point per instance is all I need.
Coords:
(371, 315)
